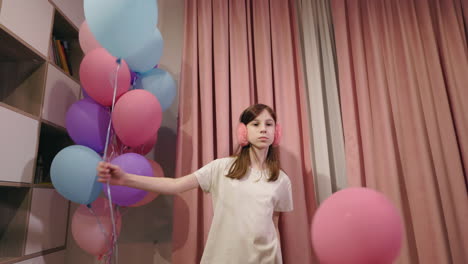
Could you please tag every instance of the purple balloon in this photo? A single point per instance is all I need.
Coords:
(133, 77)
(86, 122)
(131, 163)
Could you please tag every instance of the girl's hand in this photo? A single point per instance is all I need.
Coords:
(108, 172)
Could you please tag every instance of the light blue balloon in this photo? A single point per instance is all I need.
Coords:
(148, 55)
(161, 84)
(73, 174)
(121, 26)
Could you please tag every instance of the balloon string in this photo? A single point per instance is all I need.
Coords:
(109, 253)
(114, 248)
(97, 219)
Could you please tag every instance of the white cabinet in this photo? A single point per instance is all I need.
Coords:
(29, 20)
(60, 93)
(73, 9)
(18, 145)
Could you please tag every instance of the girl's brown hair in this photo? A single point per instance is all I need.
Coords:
(242, 163)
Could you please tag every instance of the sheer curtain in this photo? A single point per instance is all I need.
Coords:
(319, 61)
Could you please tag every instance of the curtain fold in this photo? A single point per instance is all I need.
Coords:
(237, 53)
(403, 72)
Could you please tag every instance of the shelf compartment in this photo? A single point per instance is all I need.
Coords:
(51, 256)
(67, 34)
(15, 202)
(48, 215)
(52, 139)
(22, 74)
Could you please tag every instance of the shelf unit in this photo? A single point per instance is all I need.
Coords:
(35, 93)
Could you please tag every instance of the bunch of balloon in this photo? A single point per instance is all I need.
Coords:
(125, 94)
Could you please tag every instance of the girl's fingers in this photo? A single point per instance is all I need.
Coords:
(103, 172)
(103, 178)
(113, 167)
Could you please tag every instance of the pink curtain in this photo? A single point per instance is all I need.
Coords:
(237, 53)
(403, 74)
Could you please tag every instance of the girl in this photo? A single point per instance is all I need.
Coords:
(248, 192)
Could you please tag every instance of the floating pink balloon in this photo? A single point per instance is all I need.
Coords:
(137, 117)
(92, 230)
(86, 38)
(97, 75)
(357, 226)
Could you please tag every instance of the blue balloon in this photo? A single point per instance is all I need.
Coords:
(148, 55)
(161, 84)
(73, 174)
(121, 26)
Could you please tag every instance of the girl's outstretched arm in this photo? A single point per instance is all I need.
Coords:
(116, 176)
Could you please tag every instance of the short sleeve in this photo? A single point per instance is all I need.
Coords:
(207, 174)
(284, 201)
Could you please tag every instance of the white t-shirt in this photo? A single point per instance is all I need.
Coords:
(242, 230)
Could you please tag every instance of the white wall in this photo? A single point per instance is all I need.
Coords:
(147, 231)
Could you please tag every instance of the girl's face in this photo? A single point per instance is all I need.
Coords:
(261, 130)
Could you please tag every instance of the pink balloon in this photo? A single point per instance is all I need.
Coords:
(157, 172)
(88, 231)
(146, 147)
(86, 38)
(137, 117)
(97, 71)
(118, 148)
(357, 226)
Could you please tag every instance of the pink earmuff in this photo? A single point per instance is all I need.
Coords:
(278, 135)
(242, 135)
